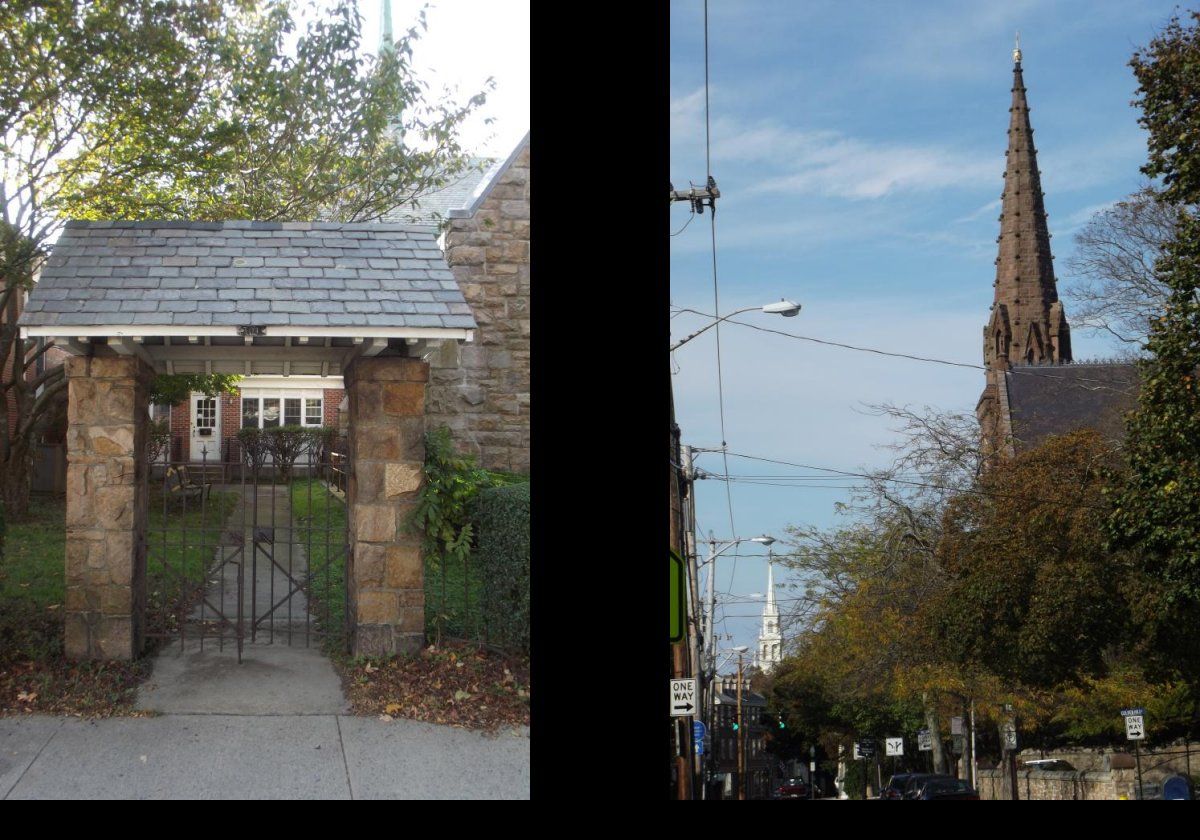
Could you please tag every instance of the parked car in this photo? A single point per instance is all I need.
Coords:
(947, 787)
(894, 789)
(791, 789)
(915, 781)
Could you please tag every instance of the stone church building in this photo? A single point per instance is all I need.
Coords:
(1033, 387)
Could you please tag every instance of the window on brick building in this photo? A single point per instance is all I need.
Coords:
(269, 412)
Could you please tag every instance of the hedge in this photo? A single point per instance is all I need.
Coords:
(500, 516)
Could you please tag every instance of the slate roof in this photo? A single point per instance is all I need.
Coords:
(245, 273)
(1056, 399)
(432, 209)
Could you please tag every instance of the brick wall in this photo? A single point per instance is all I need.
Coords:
(481, 389)
(333, 398)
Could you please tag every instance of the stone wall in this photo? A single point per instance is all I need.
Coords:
(1055, 784)
(481, 389)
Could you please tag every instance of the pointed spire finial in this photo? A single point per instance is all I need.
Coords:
(1017, 50)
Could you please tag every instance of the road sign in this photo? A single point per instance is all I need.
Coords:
(925, 740)
(894, 746)
(1128, 712)
(1008, 735)
(683, 697)
(864, 749)
(956, 726)
(678, 599)
(699, 730)
(1135, 727)
(699, 746)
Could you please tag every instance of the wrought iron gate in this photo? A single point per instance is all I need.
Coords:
(248, 544)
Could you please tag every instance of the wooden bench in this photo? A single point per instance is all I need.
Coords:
(181, 486)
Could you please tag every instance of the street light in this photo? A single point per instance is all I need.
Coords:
(786, 308)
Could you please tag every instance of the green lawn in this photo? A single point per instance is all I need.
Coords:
(319, 520)
(33, 569)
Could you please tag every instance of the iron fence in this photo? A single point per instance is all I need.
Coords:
(241, 551)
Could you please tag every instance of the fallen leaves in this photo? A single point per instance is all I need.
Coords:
(451, 684)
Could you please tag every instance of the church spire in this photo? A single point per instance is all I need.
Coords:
(1028, 325)
(386, 40)
(770, 639)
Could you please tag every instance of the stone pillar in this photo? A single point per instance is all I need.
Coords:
(385, 572)
(108, 399)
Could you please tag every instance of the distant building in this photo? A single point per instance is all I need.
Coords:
(723, 741)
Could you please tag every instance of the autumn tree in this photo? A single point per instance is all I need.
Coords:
(1033, 593)
(204, 110)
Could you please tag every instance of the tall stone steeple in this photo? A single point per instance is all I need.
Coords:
(1027, 324)
(770, 640)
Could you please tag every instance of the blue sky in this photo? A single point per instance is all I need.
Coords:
(859, 148)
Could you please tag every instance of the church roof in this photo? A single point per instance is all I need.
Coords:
(1056, 399)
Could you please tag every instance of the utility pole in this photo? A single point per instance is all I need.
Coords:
(684, 758)
(693, 626)
(741, 742)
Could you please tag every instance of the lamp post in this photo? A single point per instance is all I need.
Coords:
(786, 308)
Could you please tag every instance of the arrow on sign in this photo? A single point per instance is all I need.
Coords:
(686, 708)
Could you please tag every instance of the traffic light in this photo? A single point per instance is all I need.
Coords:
(782, 722)
(736, 726)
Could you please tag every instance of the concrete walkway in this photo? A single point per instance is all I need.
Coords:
(257, 757)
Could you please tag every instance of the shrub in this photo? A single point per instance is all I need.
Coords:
(500, 516)
(286, 443)
(254, 447)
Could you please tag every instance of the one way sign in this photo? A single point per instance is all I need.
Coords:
(683, 697)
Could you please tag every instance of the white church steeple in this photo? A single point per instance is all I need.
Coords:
(770, 642)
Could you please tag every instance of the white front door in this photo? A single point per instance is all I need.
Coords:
(206, 428)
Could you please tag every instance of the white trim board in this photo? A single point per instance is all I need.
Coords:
(131, 330)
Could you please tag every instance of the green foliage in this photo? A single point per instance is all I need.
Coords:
(502, 555)
(1168, 75)
(174, 388)
(1156, 512)
(322, 129)
(441, 514)
(470, 593)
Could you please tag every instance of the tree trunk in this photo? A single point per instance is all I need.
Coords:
(933, 724)
(16, 479)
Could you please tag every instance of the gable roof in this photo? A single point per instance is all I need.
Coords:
(491, 178)
(244, 273)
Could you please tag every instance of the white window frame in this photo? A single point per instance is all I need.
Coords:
(260, 394)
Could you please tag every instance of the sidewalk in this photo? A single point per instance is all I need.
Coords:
(193, 756)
